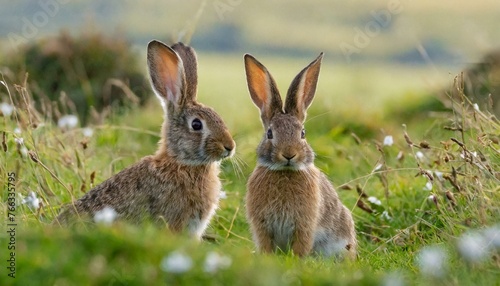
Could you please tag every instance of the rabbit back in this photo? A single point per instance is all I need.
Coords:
(335, 234)
(185, 197)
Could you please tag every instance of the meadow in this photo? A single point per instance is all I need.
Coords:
(422, 183)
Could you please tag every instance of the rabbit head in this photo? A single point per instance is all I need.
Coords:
(193, 134)
(283, 146)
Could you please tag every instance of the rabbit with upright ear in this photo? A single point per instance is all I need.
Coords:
(179, 184)
(291, 205)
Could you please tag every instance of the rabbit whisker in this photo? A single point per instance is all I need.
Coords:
(235, 162)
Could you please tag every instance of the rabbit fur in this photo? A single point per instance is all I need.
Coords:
(291, 205)
(179, 184)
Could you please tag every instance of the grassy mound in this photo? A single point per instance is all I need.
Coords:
(79, 74)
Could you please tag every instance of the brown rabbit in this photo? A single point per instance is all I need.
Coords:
(179, 184)
(291, 205)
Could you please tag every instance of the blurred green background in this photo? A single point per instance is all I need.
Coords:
(450, 33)
(378, 54)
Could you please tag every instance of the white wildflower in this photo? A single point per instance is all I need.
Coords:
(400, 155)
(31, 201)
(17, 131)
(428, 186)
(215, 262)
(431, 198)
(176, 262)
(6, 109)
(222, 195)
(374, 201)
(473, 247)
(24, 151)
(393, 279)
(105, 216)
(463, 155)
(67, 122)
(388, 140)
(432, 261)
(420, 155)
(378, 167)
(386, 215)
(88, 132)
(439, 175)
(492, 236)
(19, 141)
(476, 107)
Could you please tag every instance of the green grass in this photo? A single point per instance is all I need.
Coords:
(124, 254)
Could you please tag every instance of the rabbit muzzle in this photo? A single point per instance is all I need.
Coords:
(224, 148)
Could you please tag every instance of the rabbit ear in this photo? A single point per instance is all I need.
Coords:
(301, 91)
(166, 71)
(188, 56)
(262, 88)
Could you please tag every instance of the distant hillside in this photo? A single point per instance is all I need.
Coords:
(408, 32)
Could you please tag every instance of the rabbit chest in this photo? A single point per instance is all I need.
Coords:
(283, 203)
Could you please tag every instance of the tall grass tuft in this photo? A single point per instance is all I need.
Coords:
(481, 84)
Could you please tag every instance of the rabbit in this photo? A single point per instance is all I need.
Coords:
(179, 184)
(290, 204)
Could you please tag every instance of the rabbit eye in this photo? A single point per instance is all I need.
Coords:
(303, 134)
(196, 124)
(269, 134)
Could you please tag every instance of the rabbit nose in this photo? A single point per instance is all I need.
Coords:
(289, 157)
(229, 148)
(230, 145)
